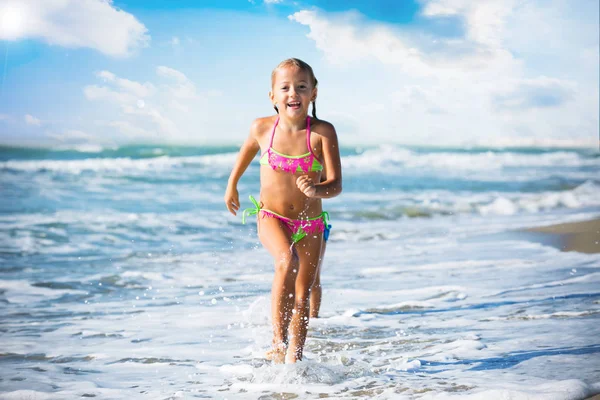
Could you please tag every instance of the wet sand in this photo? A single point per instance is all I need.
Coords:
(583, 236)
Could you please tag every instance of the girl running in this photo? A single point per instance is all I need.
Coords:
(295, 149)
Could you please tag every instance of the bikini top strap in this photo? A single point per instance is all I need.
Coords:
(273, 133)
(308, 140)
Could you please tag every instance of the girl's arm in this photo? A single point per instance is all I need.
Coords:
(245, 157)
(331, 186)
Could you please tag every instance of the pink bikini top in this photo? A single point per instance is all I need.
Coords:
(292, 164)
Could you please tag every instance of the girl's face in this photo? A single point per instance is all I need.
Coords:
(292, 92)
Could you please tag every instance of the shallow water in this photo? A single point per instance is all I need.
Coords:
(123, 277)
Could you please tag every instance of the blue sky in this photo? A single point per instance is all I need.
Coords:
(437, 72)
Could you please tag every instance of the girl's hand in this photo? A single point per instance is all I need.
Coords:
(306, 186)
(232, 200)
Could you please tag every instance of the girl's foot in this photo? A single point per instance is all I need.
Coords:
(291, 357)
(277, 353)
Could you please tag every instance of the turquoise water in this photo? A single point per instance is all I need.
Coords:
(119, 264)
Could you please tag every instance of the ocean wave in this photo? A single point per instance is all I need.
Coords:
(383, 159)
(387, 159)
(24, 292)
(429, 204)
(99, 150)
(82, 148)
(558, 314)
(118, 165)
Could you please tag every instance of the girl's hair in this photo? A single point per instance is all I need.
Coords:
(295, 62)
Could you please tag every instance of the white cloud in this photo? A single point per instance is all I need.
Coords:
(119, 91)
(462, 71)
(131, 87)
(430, 88)
(95, 92)
(541, 92)
(171, 73)
(106, 75)
(95, 24)
(31, 120)
(346, 38)
(484, 19)
(152, 118)
(164, 124)
(184, 89)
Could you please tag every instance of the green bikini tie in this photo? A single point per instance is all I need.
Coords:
(298, 235)
(251, 211)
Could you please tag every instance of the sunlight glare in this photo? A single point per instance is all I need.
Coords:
(10, 22)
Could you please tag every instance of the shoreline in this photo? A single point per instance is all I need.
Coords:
(581, 236)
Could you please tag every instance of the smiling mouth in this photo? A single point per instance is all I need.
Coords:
(294, 104)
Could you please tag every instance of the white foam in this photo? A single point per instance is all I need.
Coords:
(405, 365)
(70, 390)
(387, 158)
(407, 305)
(484, 302)
(560, 314)
(27, 395)
(571, 389)
(119, 165)
(306, 372)
(593, 276)
(22, 292)
(529, 142)
(83, 148)
(258, 311)
(500, 206)
(455, 350)
(379, 270)
(488, 203)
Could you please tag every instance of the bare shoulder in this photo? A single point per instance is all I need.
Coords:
(323, 128)
(261, 126)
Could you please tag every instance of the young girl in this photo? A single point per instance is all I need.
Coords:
(294, 150)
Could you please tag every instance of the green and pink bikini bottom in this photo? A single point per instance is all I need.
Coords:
(299, 227)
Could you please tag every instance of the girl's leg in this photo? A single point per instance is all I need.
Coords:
(309, 252)
(316, 291)
(275, 237)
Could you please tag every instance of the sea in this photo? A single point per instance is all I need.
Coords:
(123, 276)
